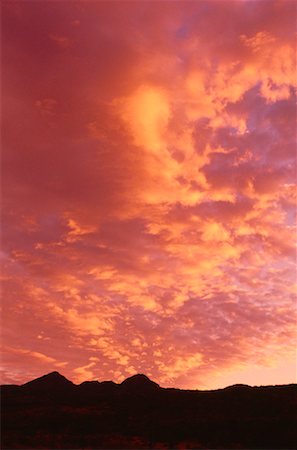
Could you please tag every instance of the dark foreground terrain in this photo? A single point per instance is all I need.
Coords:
(51, 412)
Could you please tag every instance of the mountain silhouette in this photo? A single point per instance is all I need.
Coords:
(52, 384)
(51, 379)
(52, 412)
(139, 382)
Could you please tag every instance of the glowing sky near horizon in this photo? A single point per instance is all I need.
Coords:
(149, 192)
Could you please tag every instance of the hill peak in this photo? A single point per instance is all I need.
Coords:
(140, 381)
(50, 379)
(237, 386)
(54, 375)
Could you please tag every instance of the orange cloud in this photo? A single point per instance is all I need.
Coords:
(149, 191)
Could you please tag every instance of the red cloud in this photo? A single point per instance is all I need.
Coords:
(148, 191)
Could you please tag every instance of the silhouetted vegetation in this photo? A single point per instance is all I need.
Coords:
(51, 412)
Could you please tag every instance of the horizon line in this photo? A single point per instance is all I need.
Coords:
(151, 381)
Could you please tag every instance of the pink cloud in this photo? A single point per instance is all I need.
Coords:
(148, 186)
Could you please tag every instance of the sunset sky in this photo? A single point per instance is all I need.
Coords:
(148, 183)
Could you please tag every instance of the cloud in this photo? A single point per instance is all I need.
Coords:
(147, 113)
(84, 373)
(148, 186)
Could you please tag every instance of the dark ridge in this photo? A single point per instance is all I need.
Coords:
(96, 383)
(52, 384)
(89, 383)
(93, 391)
(238, 386)
(52, 412)
(50, 379)
(139, 381)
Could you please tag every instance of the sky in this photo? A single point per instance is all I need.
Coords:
(148, 187)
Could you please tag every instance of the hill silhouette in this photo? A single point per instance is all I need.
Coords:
(139, 382)
(53, 380)
(52, 412)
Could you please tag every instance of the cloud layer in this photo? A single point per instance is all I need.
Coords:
(148, 187)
